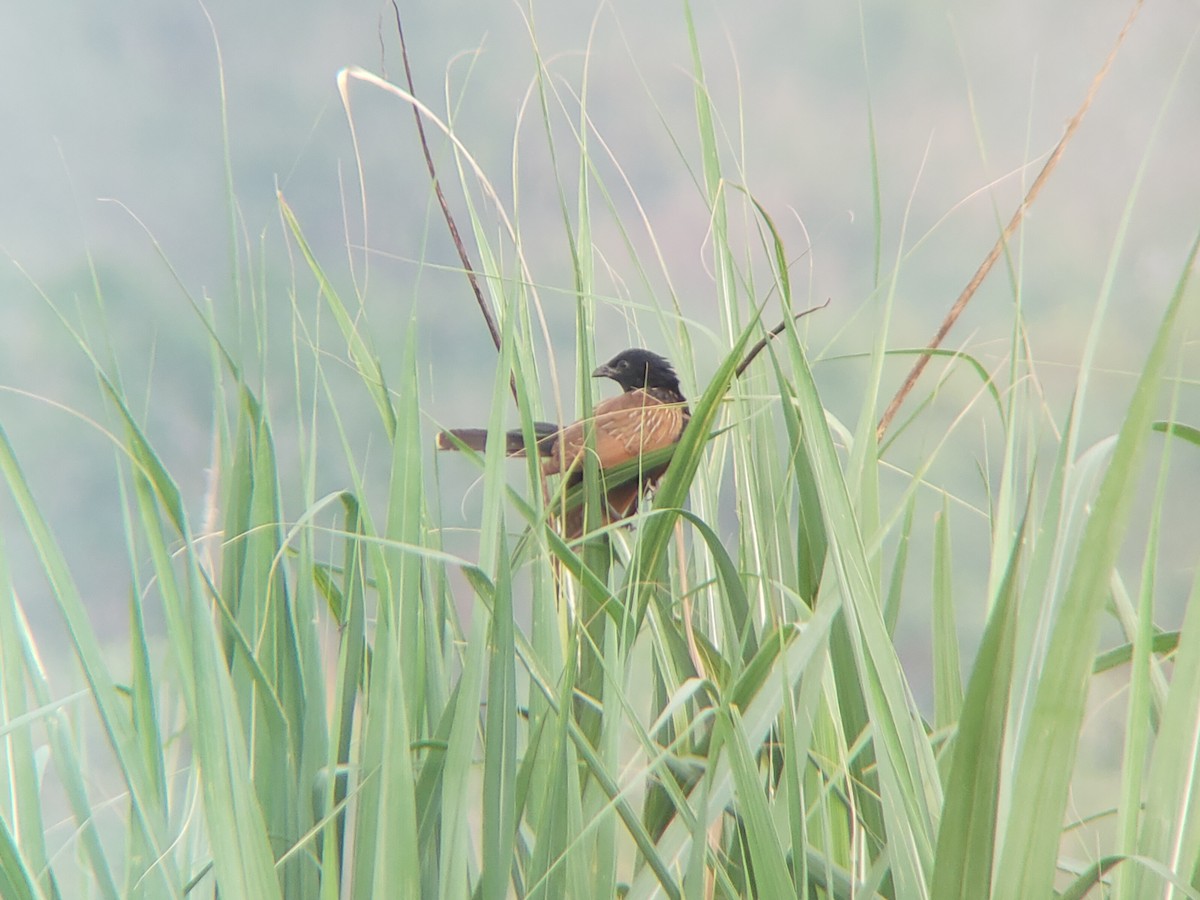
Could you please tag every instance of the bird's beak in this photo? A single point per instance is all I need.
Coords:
(604, 371)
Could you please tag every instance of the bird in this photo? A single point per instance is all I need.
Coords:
(648, 415)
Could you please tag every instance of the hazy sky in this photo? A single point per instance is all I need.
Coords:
(123, 103)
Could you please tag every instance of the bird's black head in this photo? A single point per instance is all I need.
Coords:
(636, 368)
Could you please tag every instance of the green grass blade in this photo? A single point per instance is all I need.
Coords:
(909, 783)
(24, 852)
(1169, 824)
(947, 679)
(364, 359)
(771, 877)
(500, 739)
(16, 881)
(966, 842)
(1043, 768)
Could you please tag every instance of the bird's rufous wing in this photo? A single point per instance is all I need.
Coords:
(626, 427)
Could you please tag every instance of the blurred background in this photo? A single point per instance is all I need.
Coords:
(113, 165)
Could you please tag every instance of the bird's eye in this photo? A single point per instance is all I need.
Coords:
(623, 364)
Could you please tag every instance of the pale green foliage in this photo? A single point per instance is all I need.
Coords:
(341, 708)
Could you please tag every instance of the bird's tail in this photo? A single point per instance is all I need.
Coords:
(514, 441)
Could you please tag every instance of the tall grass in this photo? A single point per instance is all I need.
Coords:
(340, 706)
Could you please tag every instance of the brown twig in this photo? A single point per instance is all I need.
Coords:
(773, 333)
(969, 291)
(488, 318)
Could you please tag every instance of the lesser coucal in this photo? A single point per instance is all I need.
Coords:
(648, 416)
